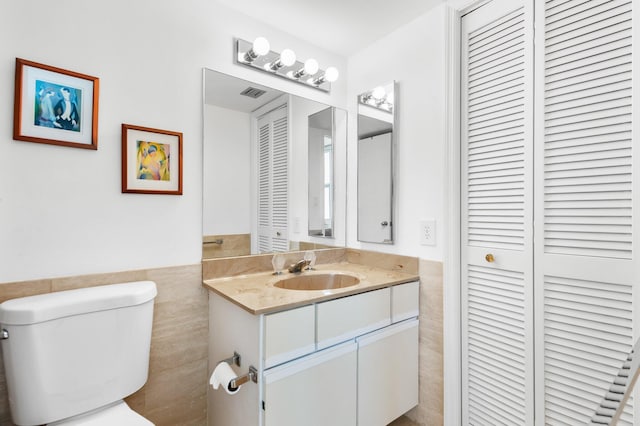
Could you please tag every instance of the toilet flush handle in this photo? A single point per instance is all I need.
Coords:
(4, 335)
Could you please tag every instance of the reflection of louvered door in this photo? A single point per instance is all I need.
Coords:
(584, 260)
(497, 246)
(273, 181)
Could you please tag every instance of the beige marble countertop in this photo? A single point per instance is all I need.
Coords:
(257, 294)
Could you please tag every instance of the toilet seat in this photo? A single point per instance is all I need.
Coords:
(117, 413)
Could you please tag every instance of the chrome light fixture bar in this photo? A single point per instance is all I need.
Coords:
(259, 56)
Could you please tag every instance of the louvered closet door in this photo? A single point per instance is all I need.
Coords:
(273, 181)
(585, 270)
(497, 251)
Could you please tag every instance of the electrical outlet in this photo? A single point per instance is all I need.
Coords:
(428, 232)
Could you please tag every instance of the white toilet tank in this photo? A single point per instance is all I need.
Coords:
(73, 351)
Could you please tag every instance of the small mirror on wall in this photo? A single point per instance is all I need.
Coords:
(376, 140)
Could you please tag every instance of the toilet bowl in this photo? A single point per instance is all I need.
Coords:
(118, 414)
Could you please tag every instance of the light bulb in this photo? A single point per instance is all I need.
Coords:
(261, 46)
(378, 93)
(390, 98)
(331, 74)
(288, 57)
(311, 66)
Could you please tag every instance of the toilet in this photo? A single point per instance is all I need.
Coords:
(70, 357)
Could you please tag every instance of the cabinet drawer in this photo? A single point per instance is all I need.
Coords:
(288, 335)
(405, 301)
(343, 319)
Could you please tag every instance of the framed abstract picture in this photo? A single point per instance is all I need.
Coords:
(55, 106)
(151, 160)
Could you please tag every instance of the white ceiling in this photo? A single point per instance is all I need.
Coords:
(339, 26)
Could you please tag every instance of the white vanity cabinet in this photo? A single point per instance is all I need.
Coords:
(346, 361)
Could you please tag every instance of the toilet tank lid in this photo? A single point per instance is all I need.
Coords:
(46, 307)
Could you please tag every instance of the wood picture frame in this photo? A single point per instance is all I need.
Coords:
(151, 160)
(55, 106)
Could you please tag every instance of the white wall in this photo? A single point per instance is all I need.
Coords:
(61, 209)
(414, 56)
(227, 171)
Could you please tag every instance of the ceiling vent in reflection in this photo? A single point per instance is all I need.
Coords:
(252, 92)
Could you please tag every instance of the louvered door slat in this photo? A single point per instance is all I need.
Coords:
(586, 22)
(497, 53)
(592, 153)
(589, 91)
(557, 6)
(575, 11)
(590, 103)
(611, 30)
(498, 103)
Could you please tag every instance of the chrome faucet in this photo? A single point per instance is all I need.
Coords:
(299, 266)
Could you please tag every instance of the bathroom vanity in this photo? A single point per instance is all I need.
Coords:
(347, 356)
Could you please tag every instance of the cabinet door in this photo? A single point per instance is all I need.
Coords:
(387, 373)
(317, 390)
(346, 318)
(288, 335)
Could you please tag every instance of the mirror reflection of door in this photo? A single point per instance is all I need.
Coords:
(374, 188)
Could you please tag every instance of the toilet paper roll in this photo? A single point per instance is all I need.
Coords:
(222, 375)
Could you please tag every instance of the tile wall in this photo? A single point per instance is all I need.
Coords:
(430, 410)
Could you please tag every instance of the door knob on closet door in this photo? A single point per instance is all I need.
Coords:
(489, 258)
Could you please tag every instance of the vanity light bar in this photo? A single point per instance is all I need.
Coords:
(255, 55)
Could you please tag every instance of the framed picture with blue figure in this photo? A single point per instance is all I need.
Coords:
(55, 106)
(151, 160)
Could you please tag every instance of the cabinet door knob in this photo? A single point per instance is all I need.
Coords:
(489, 258)
(384, 223)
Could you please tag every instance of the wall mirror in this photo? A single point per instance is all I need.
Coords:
(376, 140)
(259, 169)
